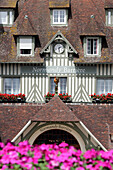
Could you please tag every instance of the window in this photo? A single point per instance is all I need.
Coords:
(62, 85)
(11, 85)
(104, 86)
(109, 17)
(26, 46)
(59, 17)
(92, 46)
(6, 17)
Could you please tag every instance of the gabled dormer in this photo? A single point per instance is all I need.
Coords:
(59, 44)
(92, 38)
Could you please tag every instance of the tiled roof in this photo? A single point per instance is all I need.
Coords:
(97, 118)
(55, 110)
(8, 3)
(108, 4)
(39, 23)
(92, 28)
(25, 27)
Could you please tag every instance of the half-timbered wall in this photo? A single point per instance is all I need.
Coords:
(35, 85)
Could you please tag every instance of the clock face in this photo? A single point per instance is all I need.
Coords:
(58, 48)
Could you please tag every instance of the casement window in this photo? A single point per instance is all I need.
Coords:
(109, 17)
(59, 17)
(25, 46)
(62, 85)
(92, 46)
(6, 17)
(12, 85)
(104, 86)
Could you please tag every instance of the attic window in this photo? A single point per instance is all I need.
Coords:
(109, 17)
(92, 46)
(26, 46)
(6, 16)
(59, 17)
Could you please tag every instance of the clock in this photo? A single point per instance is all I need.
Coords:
(59, 48)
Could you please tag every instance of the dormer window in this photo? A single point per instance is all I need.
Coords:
(25, 46)
(59, 17)
(6, 17)
(109, 17)
(92, 46)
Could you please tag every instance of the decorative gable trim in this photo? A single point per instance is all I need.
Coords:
(58, 36)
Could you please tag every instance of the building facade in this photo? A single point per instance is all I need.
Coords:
(72, 40)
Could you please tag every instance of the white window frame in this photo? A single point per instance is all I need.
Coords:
(104, 80)
(9, 17)
(11, 81)
(99, 42)
(59, 85)
(109, 17)
(92, 38)
(19, 45)
(59, 22)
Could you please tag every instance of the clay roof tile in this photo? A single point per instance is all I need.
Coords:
(92, 28)
(55, 110)
(25, 27)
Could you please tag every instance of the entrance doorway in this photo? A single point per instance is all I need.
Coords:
(56, 136)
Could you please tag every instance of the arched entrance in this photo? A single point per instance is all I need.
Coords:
(56, 136)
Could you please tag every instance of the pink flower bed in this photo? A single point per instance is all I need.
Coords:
(45, 157)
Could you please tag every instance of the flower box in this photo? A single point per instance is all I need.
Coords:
(102, 98)
(11, 98)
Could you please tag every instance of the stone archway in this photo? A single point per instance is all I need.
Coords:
(56, 136)
(57, 126)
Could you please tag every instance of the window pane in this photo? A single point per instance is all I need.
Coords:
(63, 85)
(108, 86)
(10, 17)
(55, 16)
(11, 85)
(88, 46)
(52, 84)
(104, 86)
(7, 86)
(109, 17)
(3, 17)
(62, 15)
(25, 51)
(100, 86)
(95, 46)
(16, 86)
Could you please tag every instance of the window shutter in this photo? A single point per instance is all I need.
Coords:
(25, 43)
